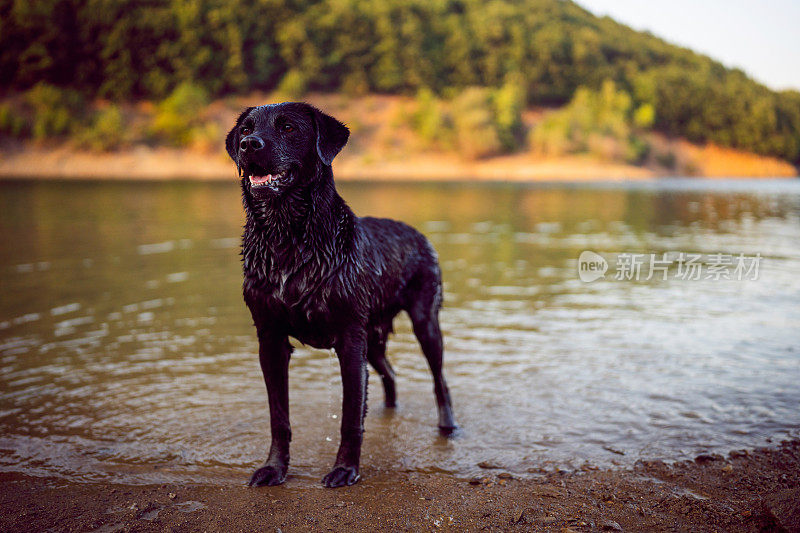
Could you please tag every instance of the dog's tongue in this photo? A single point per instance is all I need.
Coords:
(260, 180)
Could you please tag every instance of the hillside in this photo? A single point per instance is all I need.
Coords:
(546, 48)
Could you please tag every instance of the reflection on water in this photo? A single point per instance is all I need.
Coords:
(126, 351)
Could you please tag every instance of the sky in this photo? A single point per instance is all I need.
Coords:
(760, 37)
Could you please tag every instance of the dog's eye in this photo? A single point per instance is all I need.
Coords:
(246, 131)
(286, 128)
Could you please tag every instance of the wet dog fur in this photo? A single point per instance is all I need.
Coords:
(315, 271)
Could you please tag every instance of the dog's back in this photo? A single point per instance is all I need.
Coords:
(404, 262)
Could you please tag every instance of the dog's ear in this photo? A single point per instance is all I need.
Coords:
(233, 135)
(332, 135)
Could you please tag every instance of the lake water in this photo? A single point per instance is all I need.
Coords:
(127, 353)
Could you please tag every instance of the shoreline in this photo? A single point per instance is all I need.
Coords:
(144, 163)
(749, 490)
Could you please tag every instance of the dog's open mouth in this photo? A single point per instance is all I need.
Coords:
(263, 180)
(258, 176)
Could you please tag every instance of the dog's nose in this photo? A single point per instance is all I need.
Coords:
(251, 143)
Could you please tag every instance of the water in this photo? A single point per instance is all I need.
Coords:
(127, 354)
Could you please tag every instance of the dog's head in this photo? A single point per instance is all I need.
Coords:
(278, 146)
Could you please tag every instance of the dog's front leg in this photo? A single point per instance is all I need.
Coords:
(273, 353)
(352, 353)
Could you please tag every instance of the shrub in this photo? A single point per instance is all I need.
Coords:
(508, 102)
(207, 137)
(478, 122)
(11, 122)
(473, 120)
(428, 118)
(55, 111)
(645, 116)
(107, 131)
(598, 122)
(179, 114)
(552, 136)
(353, 84)
(293, 85)
(638, 150)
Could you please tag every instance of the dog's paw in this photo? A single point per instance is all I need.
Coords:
(268, 475)
(449, 431)
(447, 422)
(341, 476)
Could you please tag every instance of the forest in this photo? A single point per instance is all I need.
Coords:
(56, 55)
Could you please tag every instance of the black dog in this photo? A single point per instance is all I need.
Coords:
(316, 272)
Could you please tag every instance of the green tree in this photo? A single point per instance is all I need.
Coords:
(121, 50)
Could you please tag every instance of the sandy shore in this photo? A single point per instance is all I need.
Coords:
(746, 491)
(168, 164)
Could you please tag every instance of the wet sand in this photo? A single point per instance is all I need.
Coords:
(746, 491)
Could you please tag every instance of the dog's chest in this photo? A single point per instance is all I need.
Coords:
(295, 304)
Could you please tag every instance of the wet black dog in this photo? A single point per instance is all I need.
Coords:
(316, 272)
